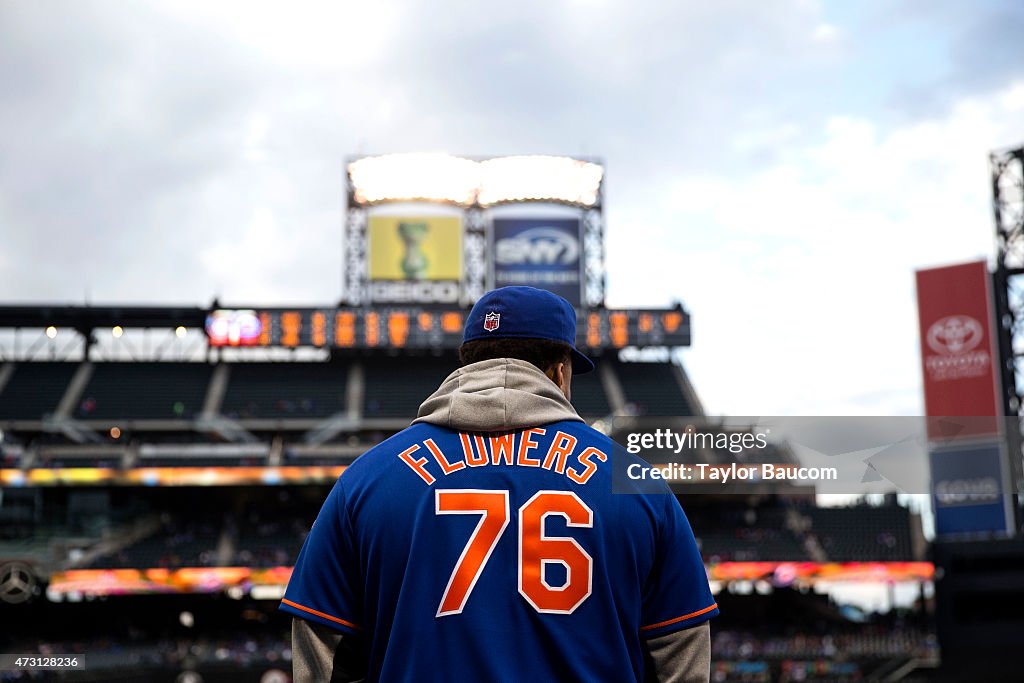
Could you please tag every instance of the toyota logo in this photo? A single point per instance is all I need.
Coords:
(17, 583)
(954, 334)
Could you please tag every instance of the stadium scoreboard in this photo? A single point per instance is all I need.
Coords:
(425, 328)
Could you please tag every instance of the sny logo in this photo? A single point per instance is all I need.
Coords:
(491, 321)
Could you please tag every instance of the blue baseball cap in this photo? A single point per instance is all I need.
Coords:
(526, 313)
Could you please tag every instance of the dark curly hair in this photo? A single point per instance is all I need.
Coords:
(543, 353)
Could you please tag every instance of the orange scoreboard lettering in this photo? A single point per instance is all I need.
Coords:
(451, 322)
(620, 333)
(671, 321)
(593, 330)
(345, 329)
(291, 324)
(264, 329)
(319, 325)
(398, 328)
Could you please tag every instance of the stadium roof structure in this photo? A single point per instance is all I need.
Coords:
(87, 318)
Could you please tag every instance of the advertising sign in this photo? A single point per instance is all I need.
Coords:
(414, 259)
(957, 349)
(968, 489)
(233, 328)
(539, 252)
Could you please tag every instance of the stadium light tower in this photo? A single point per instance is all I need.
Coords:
(1007, 168)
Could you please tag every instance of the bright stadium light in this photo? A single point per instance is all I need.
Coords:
(117, 331)
(445, 178)
(51, 332)
(180, 332)
(432, 177)
(539, 178)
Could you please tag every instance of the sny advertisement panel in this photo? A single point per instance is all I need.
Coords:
(539, 252)
(969, 489)
(414, 259)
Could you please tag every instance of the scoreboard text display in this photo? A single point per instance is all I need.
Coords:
(422, 328)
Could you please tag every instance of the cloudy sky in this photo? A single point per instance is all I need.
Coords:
(780, 167)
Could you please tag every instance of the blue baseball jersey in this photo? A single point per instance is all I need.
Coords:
(498, 557)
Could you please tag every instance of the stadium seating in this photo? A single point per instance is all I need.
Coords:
(267, 539)
(180, 542)
(652, 389)
(34, 390)
(745, 535)
(395, 387)
(285, 390)
(127, 391)
(588, 396)
(851, 534)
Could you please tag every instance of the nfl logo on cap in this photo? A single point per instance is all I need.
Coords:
(529, 313)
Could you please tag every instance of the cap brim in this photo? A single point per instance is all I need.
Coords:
(580, 363)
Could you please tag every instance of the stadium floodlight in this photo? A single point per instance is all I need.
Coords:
(446, 178)
(117, 331)
(431, 177)
(539, 178)
(180, 332)
(51, 332)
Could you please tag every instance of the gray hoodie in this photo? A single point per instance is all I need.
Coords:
(503, 394)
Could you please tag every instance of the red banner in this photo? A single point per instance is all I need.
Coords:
(958, 352)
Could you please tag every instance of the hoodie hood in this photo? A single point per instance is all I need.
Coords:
(501, 394)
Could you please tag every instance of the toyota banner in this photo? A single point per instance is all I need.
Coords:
(959, 366)
(958, 352)
(539, 252)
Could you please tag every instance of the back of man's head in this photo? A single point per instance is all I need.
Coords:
(543, 353)
(525, 323)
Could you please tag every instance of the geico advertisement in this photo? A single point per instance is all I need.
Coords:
(539, 252)
(414, 258)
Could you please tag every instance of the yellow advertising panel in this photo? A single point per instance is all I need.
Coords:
(415, 247)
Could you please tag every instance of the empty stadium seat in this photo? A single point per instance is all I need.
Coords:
(855, 533)
(652, 389)
(285, 390)
(395, 387)
(178, 543)
(34, 390)
(745, 535)
(139, 391)
(588, 395)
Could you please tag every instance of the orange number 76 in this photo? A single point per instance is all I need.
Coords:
(536, 549)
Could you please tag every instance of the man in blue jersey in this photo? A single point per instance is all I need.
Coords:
(485, 543)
